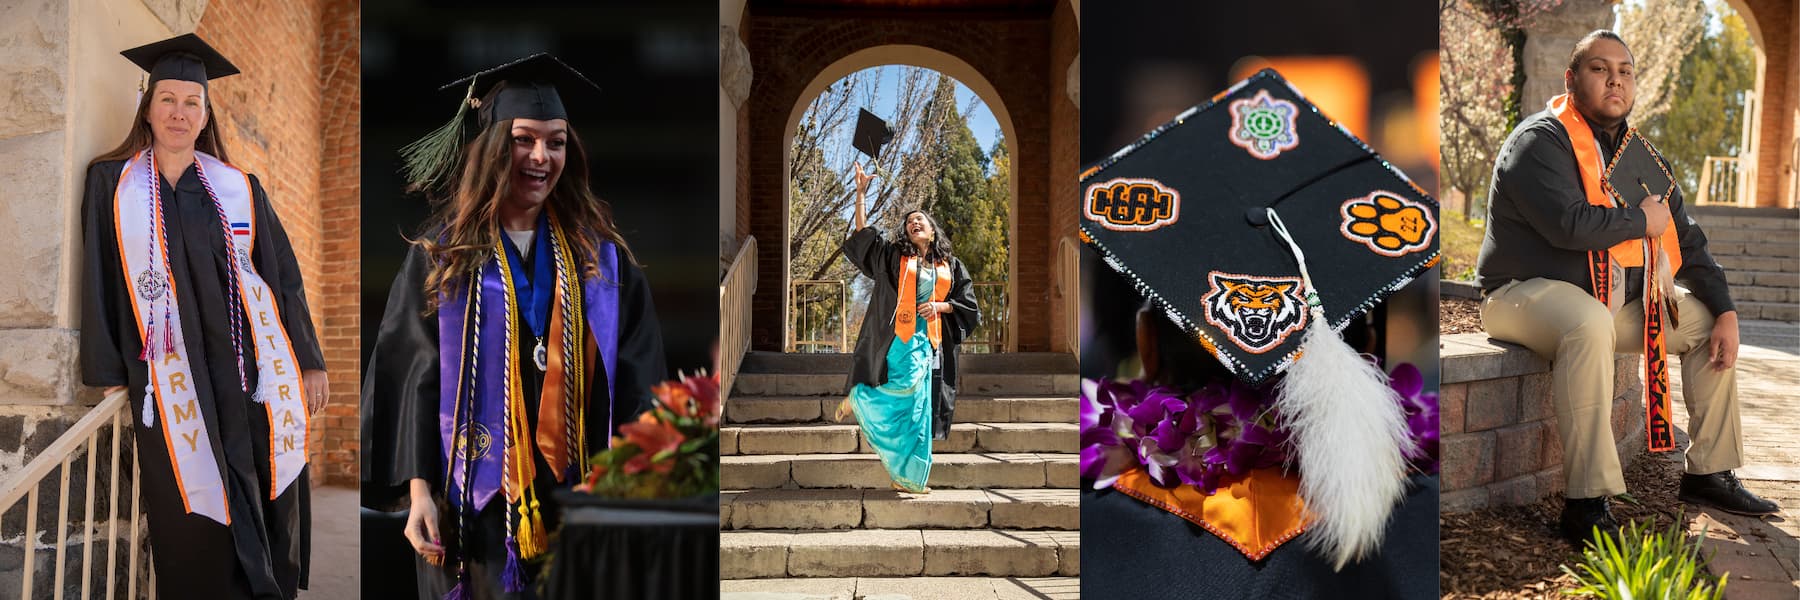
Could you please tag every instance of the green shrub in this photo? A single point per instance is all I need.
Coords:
(1646, 564)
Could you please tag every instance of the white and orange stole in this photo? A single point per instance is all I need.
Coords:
(171, 392)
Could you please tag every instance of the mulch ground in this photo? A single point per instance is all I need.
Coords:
(1458, 315)
(1513, 552)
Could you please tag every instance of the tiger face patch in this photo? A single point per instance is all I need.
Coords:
(1130, 204)
(1257, 313)
(1389, 224)
(1264, 125)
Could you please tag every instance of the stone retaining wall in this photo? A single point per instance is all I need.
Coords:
(1498, 423)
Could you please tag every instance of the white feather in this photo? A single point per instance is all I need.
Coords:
(1350, 440)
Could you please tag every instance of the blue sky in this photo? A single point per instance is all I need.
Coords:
(981, 120)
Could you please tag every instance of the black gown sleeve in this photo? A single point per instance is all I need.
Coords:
(641, 363)
(965, 315)
(1535, 174)
(1699, 273)
(102, 350)
(869, 252)
(275, 256)
(400, 393)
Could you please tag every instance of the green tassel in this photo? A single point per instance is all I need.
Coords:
(429, 161)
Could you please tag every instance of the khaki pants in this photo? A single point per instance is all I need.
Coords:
(1567, 326)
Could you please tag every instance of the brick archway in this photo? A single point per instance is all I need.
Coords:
(914, 56)
(1016, 58)
(1774, 145)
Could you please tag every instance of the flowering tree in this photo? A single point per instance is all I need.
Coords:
(1660, 35)
(1475, 75)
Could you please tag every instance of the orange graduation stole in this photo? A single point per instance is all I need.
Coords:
(1651, 253)
(908, 310)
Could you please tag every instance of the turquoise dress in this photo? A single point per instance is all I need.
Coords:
(896, 416)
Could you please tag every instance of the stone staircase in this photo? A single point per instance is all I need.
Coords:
(807, 509)
(1760, 250)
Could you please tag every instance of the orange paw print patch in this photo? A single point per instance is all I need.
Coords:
(1389, 224)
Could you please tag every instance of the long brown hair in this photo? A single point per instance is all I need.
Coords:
(141, 137)
(464, 226)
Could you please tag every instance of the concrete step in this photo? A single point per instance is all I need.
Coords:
(969, 409)
(1762, 278)
(1784, 249)
(834, 384)
(1758, 293)
(1040, 508)
(1759, 263)
(841, 439)
(1006, 362)
(1769, 311)
(1749, 235)
(903, 588)
(1728, 217)
(899, 553)
(864, 471)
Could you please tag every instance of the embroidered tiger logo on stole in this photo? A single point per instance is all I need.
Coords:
(1257, 313)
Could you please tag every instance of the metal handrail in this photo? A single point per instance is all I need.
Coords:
(991, 298)
(1726, 174)
(735, 293)
(842, 343)
(84, 435)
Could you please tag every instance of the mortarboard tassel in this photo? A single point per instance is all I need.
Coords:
(512, 579)
(1349, 434)
(150, 405)
(428, 161)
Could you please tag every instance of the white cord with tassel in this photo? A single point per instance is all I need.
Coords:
(1348, 432)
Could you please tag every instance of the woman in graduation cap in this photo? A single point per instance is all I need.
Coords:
(921, 306)
(194, 308)
(518, 333)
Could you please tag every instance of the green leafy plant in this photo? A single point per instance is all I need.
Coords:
(1646, 564)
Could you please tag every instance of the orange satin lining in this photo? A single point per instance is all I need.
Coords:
(1629, 253)
(1255, 513)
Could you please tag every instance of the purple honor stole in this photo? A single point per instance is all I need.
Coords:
(472, 363)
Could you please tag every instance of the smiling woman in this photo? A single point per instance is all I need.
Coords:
(453, 410)
(195, 310)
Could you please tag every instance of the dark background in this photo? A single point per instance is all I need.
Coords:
(652, 141)
(1151, 60)
(652, 146)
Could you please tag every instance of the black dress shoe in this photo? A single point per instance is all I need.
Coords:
(1581, 515)
(1722, 491)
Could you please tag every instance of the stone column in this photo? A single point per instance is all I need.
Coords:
(734, 88)
(69, 96)
(1549, 39)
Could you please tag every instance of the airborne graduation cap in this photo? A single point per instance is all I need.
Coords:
(1262, 228)
(871, 133)
(538, 87)
(183, 58)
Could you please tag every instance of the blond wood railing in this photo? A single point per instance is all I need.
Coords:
(59, 457)
(734, 314)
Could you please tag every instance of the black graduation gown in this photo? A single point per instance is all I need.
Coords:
(400, 418)
(880, 261)
(266, 550)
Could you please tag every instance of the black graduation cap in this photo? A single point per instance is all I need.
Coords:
(539, 86)
(1638, 171)
(871, 133)
(1183, 213)
(184, 58)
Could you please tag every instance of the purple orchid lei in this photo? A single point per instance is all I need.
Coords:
(1224, 428)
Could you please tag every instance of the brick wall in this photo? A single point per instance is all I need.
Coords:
(1065, 164)
(292, 118)
(1014, 54)
(1780, 97)
(1498, 422)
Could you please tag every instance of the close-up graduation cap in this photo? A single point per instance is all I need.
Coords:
(1261, 227)
(871, 133)
(183, 58)
(539, 87)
